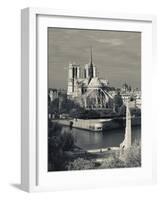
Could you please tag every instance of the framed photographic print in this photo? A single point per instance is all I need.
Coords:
(86, 107)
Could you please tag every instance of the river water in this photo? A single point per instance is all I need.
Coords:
(93, 140)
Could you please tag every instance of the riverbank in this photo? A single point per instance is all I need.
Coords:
(109, 158)
(95, 155)
(98, 125)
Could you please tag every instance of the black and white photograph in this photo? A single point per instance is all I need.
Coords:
(94, 99)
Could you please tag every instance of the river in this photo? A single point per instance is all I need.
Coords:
(93, 140)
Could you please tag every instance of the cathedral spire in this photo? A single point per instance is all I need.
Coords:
(91, 67)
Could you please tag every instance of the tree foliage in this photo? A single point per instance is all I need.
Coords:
(130, 158)
(64, 105)
(118, 102)
(81, 164)
(58, 142)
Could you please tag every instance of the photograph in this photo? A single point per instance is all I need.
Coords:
(94, 99)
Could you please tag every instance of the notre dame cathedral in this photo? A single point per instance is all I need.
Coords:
(86, 87)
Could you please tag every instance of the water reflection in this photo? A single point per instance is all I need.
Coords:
(92, 140)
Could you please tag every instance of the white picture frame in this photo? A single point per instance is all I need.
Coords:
(34, 22)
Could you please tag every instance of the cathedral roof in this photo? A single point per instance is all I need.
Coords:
(95, 82)
(84, 82)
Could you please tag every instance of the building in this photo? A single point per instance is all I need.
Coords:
(85, 87)
(53, 94)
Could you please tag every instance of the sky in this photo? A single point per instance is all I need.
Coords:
(117, 55)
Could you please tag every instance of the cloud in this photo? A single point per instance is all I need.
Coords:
(111, 42)
(116, 54)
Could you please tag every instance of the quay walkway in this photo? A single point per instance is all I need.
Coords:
(96, 125)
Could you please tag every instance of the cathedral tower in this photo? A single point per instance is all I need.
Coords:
(73, 76)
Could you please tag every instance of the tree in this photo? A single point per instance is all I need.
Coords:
(58, 142)
(122, 110)
(81, 164)
(67, 141)
(54, 106)
(118, 102)
(63, 105)
(130, 158)
(113, 161)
